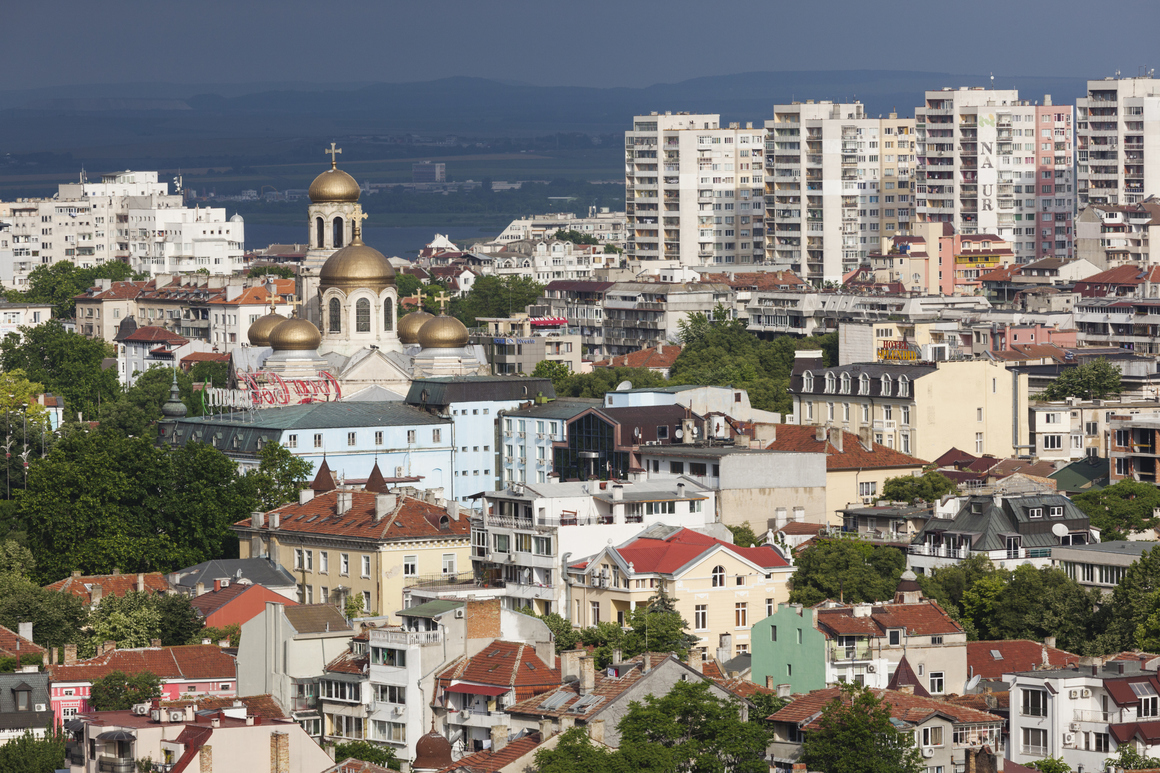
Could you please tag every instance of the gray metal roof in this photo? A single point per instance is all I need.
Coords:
(385, 413)
(560, 408)
(989, 523)
(445, 390)
(259, 571)
(37, 684)
(1123, 547)
(430, 609)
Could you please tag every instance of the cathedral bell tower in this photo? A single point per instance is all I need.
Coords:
(333, 213)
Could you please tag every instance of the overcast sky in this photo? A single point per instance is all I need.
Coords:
(592, 43)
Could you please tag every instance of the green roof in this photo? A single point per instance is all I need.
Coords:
(430, 608)
(1088, 474)
(323, 416)
(444, 390)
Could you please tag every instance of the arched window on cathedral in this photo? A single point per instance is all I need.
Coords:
(388, 314)
(337, 232)
(335, 316)
(319, 232)
(362, 316)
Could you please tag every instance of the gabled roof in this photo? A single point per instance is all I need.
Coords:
(987, 524)
(194, 661)
(913, 709)
(502, 664)
(487, 761)
(924, 618)
(153, 335)
(13, 644)
(853, 456)
(259, 571)
(659, 357)
(263, 706)
(111, 584)
(683, 548)
(1087, 474)
(992, 659)
(411, 519)
(350, 662)
(213, 600)
(567, 701)
(316, 618)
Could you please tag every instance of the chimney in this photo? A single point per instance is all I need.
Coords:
(587, 675)
(820, 434)
(199, 589)
(769, 683)
(110, 646)
(70, 654)
(384, 505)
(784, 690)
(647, 663)
(96, 593)
(275, 520)
(567, 723)
(499, 738)
(257, 519)
(864, 437)
(189, 716)
(545, 729)
(617, 492)
(453, 509)
(343, 500)
(596, 731)
(25, 631)
(217, 585)
(140, 582)
(725, 648)
(694, 659)
(305, 495)
(1049, 641)
(155, 643)
(570, 664)
(116, 572)
(836, 438)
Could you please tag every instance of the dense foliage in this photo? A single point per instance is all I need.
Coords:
(136, 619)
(1092, 381)
(928, 487)
(849, 569)
(496, 296)
(856, 735)
(65, 363)
(59, 284)
(29, 754)
(376, 754)
(117, 691)
(1118, 510)
(744, 536)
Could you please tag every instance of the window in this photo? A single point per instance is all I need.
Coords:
(885, 385)
(24, 700)
(677, 468)
(807, 382)
(1035, 512)
(978, 442)
(542, 546)
(1052, 442)
(382, 656)
(318, 440)
(366, 566)
(1148, 706)
(501, 543)
(299, 560)
(701, 617)
(740, 580)
(932, 736)
(389, 693)
(718, 577)
(291, 441)
(410, 566)
(595, 613)
(937, 682)
(741, 614)
(350, 438)
(366, 594)
(362, 316)
(436, 435)
(323, 562)
(344, 564)
(523, 543)
(1055, 511)
(410, 436)
(335, 316)
(448, 563)
(1034, 703)
(379, 438)
(936, 640)
(895, 636)
(867, 488)
(1034, 741)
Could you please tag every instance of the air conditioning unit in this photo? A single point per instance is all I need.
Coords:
(1085, 693)
(870, 669)
(176, 716)
(1073, 694)
(927, 752)
(41, 707)
(459, 614)
(868, 500)
(1074, 727)
(155, 715)
(1069, 739)
(398, 711)
(141, 709)
(511, 559)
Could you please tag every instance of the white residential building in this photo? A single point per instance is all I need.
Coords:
(605, 226)
(837, 183)
(693, 191)
(1118, 141)
(990, 163)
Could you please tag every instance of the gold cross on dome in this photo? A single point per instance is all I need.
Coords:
(418, 298)
(361, 216)
(441, 299)
(333, 152)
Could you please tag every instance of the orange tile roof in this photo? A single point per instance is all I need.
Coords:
(118, 291)
(192, 661)
(259, 294)
(111, 584)
(1014, 655)
(985, 701)
(213, 600)
(488, 761)
(206, 357)
(665, 556)
(925, 618)
(411, 519)
(151, 335)
(853, 456)
(761, 280)
(712, 669)
(504, 664)
(13, 644)
(796, 528)
(349, 663)
(805, 710)
(263, 706)
(657, 358)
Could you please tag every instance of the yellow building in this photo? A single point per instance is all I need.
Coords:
(719, 589)
(921, 409)
(372, 543)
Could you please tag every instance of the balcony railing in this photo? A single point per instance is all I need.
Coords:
(938, 551)
(406, 637)
(107, 764)
(849, 651)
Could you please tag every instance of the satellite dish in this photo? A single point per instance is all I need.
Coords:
(679, 434)
(696, 431)
(636, 432)
(1059, 529)
(973, 682)
(624, 386)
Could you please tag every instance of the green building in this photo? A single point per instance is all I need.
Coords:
(788, 647)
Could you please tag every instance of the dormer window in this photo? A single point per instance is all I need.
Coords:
(863, 384)
(807, 382)
(1055, 511)
(830, 383)
(885, 385)
(1035, 512)
(894, 636)
(903, 386)
(845, 383)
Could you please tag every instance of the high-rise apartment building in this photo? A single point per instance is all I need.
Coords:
(1118, 141)
(693, 191)
(990, 163)
(837, 183)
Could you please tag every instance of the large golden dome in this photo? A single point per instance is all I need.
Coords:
(443, 332)
(356, 266)
(334, 185)
(259, 332)
(295, 335)
(410, 325)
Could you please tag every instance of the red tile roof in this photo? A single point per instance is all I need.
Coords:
(761, 280)
(713, 670)
(193, 661)
(504, 664)
(206, 357)
(657, 358)
(118, 291)
(213, 600)
(14, 645)
(263, 706)
(349, 663)
(412, 518)
(1014, 655)
(805, 710)
(985, 701)
(925, 618)
(797, 527)
(1121, 692)
(111, 584)
(152, 335)
(853, 456)
(665, 556)
(488, 761)
(259, 294)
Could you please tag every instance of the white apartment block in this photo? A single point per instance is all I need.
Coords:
(128, 216)
(605, 226)
(837, 183)
(1117, 133)
(693, 191)
(990, 163)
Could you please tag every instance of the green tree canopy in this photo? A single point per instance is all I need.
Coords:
(496, 296)
(118, 692)
(137, 618)
(1092, 381)
(1135, 605)
(279, 477)
(59, 283)
(1050, 765)
(849, 569)
(603, 380)
(745, 537)
(857, 736)
(657, 627)
(928, 487)
(136, 411)
(559, 372)
(574, 236)
(367, 752)
(65, 363)
(1120, 509)
(215, 372)
(575, 753)
(57, 618)
(29, 754)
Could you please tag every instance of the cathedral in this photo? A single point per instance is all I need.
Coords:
(346, 329)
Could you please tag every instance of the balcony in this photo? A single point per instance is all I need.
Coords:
(938, 551)
(304, 703)
(108, 764)
(843, 652)
(406, 638)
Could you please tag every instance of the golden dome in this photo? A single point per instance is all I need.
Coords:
(259, 332)
(410, 324)
(356, 266)
(334, 185)
(295, 335)
(442, 332)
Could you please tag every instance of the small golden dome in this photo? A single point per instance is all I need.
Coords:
(356, 266)
(259, 332)
(334, 185)
(295, 335)
(410, 325)
(443, 332)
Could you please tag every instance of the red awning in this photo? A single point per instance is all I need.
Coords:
(547, 321)
(477, 689)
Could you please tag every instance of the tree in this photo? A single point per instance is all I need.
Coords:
(1050, 765)
(603, 380)
(1120, 509)
(574, 236)
(231, 632)
(179, 621)
(137, 410)
(575, 753)
(65, 363)
(853, 570)
(928, 487)
(15, 559)
(559, 372)
(1130, 759)
(213, 372)
(118, 692)
(856, 735)
(57, 618)
(132, 621)
(59, 284)
(1135, 600)
(657, 627)
(279, 477)
(366, 752)
(565, 636)
(495, 296)
(28, 754)
(353, 606)
(744, 536)
(1092, 381)
(690, 729)
(281, 272)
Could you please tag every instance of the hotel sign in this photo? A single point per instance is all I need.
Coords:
(897, 351)
(267, 389)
